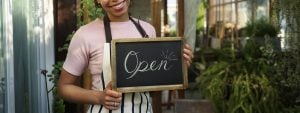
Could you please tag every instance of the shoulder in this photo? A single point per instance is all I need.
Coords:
(91, 27)
(90, 31)
(147, 26)
(89, 37)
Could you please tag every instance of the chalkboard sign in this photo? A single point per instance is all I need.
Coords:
(148, 64)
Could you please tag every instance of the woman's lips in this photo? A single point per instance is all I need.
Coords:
(118, 6)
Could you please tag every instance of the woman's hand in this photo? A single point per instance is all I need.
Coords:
(111, 99)
(187, 54)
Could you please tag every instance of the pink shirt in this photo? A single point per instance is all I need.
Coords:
(86, 47)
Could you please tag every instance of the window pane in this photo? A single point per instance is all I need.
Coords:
(262, 9)
(229, 13)
(244, 14)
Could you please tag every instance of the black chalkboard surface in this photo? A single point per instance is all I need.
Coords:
(148, 64)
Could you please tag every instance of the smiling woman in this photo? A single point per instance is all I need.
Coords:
(87, 50)
(116, 10)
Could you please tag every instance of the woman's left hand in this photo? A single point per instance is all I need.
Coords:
(187, 54)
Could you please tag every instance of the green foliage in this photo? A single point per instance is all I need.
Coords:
(295, 109)
(287, 63)
(64, 48)
(58, 104)
(201, 16)
(290, 12)
(260, 28)
(285, 75)
(259, 79)
(88, 12)
(238, 83)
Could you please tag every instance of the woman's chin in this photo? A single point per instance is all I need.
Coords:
(119, 13)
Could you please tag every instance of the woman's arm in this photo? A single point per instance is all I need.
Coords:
(71, 92)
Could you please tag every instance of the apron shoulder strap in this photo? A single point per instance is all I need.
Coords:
(139, 27)
(108, 29)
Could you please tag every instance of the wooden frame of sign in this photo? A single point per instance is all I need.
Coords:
(148, 64)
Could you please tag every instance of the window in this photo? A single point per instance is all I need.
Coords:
(234, 14)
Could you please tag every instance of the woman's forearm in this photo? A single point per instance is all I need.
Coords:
(71, 92)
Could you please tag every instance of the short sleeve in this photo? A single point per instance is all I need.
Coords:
(77, 56)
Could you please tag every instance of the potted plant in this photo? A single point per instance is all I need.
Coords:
(260, 29)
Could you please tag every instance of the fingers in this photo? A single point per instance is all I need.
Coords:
(188, 54)
(112, 105)
(109, 98)
(109, 86)
(112, 99)
(187, 60)
(188, 50)
(108, 91)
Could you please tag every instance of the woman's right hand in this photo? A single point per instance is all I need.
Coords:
(69, 91)
(111, 99)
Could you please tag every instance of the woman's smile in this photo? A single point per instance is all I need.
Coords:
(117, 10)
(119, 5)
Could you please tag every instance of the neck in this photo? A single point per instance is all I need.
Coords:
(122, 18)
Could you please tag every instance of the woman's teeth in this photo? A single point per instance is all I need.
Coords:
(119, 6)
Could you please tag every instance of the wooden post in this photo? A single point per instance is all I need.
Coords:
(166, 18)
(235, 29)
(180, 15)
(156, 22)
(180, 25)
(156, 15)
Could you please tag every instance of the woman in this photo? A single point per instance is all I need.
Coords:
(87, 50)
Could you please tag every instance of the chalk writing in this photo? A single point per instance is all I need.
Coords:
(144, 66)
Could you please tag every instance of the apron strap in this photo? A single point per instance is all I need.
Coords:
(139, 27)
(108, 29)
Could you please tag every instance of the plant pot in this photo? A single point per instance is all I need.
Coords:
(193, 106)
